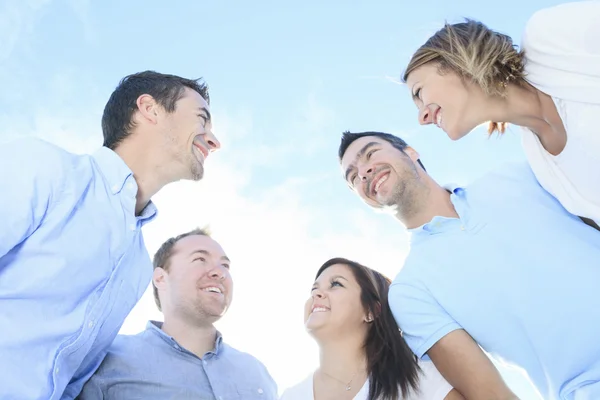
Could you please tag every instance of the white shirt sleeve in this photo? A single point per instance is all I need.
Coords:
(432, 385)
(562, 51)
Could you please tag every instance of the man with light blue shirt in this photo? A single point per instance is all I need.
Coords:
(185, 356)
(499, 264)
(72, 257)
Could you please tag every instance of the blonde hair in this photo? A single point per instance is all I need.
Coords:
(474, 52)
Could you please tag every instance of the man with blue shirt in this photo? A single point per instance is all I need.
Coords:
(499, 264)
(185, 356)
(72, 257)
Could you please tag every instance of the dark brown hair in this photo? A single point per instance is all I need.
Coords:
(117, 119)
(392, 367)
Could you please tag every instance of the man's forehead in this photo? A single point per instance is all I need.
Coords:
(192, 243)
(192, 95)
(352, 150)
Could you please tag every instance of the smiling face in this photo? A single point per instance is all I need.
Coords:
(188, 137)
(453, 104)
(382, 175)
(197, 284)
(334, 306)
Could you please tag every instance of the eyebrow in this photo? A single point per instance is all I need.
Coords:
(206, 111)
(332, 278)
(360, 155)
(206, 253)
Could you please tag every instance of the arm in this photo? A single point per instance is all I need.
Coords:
(466, 367)
(562, 51)
(29, 172)
(454, 395)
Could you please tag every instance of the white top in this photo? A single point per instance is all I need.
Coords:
(562, 49)
(432, 386)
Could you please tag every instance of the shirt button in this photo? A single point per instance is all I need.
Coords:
(260, 391)
(462, 227)
(132, 227)
(90, 324)
(204, 362)
(115, 188)
(56, 370)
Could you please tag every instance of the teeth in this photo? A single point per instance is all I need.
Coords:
(439, 119)
(319, 309)
(212, 289)
(380, 182)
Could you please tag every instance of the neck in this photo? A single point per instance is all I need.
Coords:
(342, 358)
(146, 169)
(434, 202)
(198, 339)
(521, 106)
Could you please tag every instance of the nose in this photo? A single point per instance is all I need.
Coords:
(364, 172)
(425, 116)
(218, 272)
(317, 294)
(212, 141)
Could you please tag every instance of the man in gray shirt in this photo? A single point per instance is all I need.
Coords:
(185, 356)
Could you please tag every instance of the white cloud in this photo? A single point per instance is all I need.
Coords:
(17, 19)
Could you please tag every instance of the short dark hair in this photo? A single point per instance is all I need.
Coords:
(163, 255)
(117, 119)
(348, 138)
(392, 367)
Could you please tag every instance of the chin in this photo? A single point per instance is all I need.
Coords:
(455, 135)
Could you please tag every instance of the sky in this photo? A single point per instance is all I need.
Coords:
(285, 81)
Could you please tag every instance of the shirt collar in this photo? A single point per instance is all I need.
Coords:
(155, 327)
(440, 224)
(113, 168)
(117, 174)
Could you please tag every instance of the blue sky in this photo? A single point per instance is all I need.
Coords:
(285, 81)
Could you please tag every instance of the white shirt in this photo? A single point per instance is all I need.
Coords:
(432, 386)
(562, 51)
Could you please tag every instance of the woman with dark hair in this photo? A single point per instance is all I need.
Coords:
(362, 352)
(467, 74)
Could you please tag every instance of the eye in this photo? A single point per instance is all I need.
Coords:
(313, 289)
(204, 118)
(353, 178)
(370, 153)
(336, 283)
(226, 266)
(200, 258)
(417, 93)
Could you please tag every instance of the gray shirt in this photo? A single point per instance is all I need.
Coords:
(151, 365)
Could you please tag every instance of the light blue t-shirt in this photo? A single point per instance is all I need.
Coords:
(152, 365)
(72, 265)
(519, 273)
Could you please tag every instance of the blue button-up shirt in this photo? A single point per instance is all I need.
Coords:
(518, 273)
(152, 365)
(72, 265)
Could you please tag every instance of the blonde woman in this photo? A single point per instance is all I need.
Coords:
(467, 74)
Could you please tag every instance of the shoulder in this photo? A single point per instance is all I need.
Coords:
(432, 385)
(245, 361)
(124, 350)
(548, 19)
(301, 391)
(36, 157)
(510, 179)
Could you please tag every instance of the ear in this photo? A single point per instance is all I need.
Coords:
(412, 153)
(159, 278)
(148, 108)
(369, 318)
